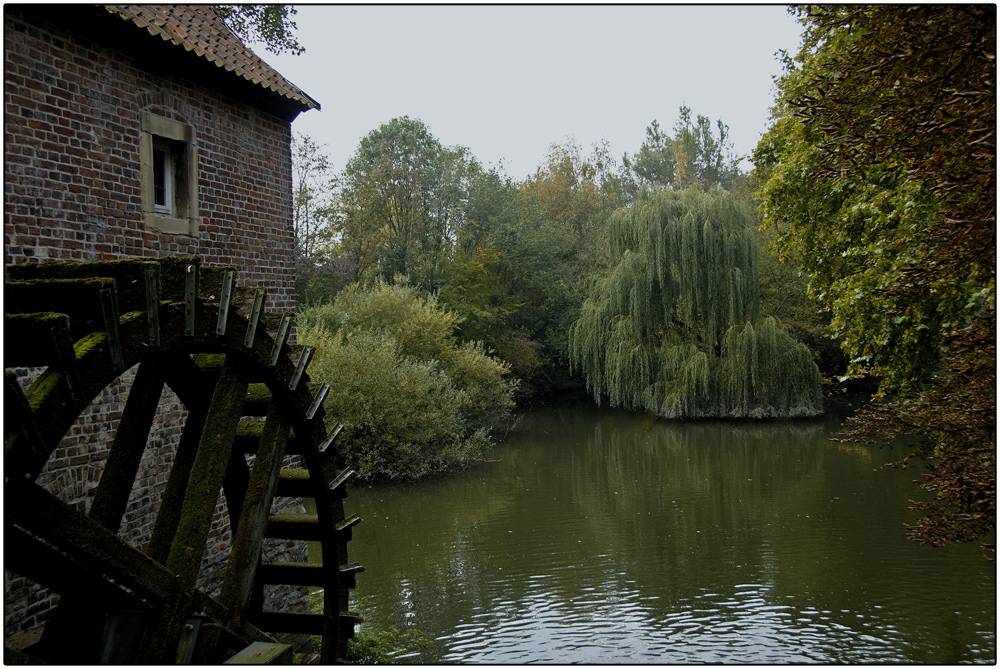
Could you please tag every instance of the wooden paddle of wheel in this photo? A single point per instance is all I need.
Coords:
(189, 328)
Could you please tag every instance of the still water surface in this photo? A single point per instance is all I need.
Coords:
(598, 536)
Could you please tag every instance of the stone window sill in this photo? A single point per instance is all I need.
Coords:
(171, 226)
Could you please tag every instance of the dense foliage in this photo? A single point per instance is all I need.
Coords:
(271, 25)
(511, 263)
(402, 202)
(411, 398)
(880, 178)
(671, 328)
(784, 295)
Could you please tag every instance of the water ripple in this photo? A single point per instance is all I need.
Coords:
(726, 543)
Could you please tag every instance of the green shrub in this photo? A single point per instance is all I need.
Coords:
(486, 395)
(411, 400)
(415, 321)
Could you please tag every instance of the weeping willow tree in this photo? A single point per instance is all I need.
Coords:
(674, 328)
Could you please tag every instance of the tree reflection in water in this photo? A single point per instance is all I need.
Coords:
(605, 536)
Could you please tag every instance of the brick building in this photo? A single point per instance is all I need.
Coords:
(140, 131)
(98, 98)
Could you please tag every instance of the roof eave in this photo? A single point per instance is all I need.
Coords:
(107, 28)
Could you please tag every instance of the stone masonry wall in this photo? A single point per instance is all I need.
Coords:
(72, 192)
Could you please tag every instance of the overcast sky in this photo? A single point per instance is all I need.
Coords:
(508, 81)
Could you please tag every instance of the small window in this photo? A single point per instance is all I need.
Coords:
(169, 175)
(163, 179)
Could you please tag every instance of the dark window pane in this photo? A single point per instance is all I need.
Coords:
(160, 177)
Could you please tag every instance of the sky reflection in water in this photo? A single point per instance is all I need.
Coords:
(599, 536)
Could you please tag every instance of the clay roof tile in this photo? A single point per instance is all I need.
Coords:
(199, 28)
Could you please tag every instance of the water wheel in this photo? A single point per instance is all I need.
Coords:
(186, 327)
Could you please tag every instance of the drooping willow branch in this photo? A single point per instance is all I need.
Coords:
(674, 328)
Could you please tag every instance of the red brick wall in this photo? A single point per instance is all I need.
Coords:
(72, 193)
(71, 169)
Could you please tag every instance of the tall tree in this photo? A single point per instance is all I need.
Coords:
(695, 154)
(569, 202)
(314, 196)
(673, 328)
(654, 163)
(524, 254)
(881, 182)
(488, 278)
(402, 201)
(320, 271)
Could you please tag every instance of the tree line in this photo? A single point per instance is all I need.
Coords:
(860, 246)
(514, 260)
(519, 269)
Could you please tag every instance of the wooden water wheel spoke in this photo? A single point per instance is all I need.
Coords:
(83, 539)
(235, 486)
(128, 446)
(109, 506)
(44, 563)
(206, 477)
(76, 627)
(249, 539)
(172, 499)
(89, 324)
(207, 472)
(23, 443)
(192, 384)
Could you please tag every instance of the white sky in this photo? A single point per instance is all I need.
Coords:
(508, 81)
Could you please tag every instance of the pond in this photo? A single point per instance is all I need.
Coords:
(600, 536)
